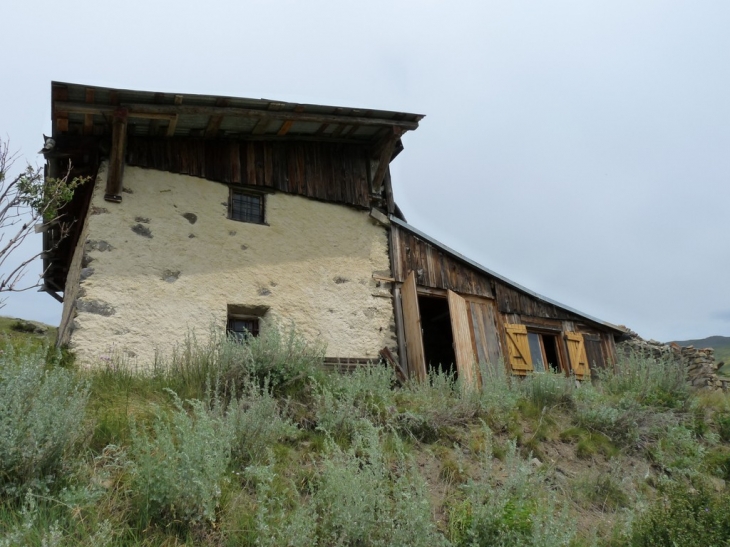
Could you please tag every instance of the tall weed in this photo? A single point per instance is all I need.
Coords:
(41, 419)
(651, 382)
(257, 423)
(177, 472)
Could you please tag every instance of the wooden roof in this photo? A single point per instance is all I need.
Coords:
(88, 110)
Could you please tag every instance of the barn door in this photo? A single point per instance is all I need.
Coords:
(577, 353)
(518, 347)
(463, 349)
(412, 328)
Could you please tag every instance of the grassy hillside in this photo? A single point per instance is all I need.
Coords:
(22, 329)
(254, 444)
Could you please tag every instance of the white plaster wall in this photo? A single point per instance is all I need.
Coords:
(312, 266)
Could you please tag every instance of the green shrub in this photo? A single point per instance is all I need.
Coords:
(282, 516)
(723, 426)
(499, 395)
(433, 409)
(257, 424)
(677, 449)
(654, 382)
(41, 419)
(344, 401)
(690, 516)
(514, 510)
(363, 499)
(548, 390)
(281, 359)
(177, 472)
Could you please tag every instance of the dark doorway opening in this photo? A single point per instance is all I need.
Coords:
(551, 352)
(438, 340)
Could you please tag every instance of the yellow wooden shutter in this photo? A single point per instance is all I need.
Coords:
(577, 353)
(412, 328)
(519, 348)
(463, 348)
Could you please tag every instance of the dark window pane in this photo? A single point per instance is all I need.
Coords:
(536, 352)
(239, 327)
(247, 207)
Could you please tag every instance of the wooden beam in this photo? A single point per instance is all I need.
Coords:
(171, 127)
(152, 111)
(385, 154)
(50, 291)
(114, 179)
(154, 126)
(215, 121)
(389, 199)
(89, 118)
(285, 127)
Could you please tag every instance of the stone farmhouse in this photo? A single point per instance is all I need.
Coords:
(248, 213)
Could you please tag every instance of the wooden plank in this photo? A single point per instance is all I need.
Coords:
(89, 118)
(463, 348)
(412, 328)
(518, 348)
(389, 358)
(491, 329)
(59, 117)
(400, 331)
(577, 353)
(114, 180)
(594, 352)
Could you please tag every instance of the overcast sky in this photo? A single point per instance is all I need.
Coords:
(581, 149)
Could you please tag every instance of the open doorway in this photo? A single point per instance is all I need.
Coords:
(438, 340)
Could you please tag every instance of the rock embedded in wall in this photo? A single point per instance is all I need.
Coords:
(142, 230)
(96, 307)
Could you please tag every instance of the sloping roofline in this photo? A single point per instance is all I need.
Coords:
(87, 108)
(458, 256)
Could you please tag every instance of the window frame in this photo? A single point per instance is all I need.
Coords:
(240, 335)
(559, 351)
(232, 191)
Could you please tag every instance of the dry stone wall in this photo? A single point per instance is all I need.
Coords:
(700, 363)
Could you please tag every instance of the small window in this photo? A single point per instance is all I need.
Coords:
(544, 352)
(246, 207)
(242, 327)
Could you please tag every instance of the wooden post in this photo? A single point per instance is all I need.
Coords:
(116, 158)
(384, 152)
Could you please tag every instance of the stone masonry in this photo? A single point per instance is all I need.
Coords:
(700, 363)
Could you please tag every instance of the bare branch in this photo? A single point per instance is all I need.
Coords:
(27, 200)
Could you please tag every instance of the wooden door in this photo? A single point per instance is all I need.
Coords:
(486, 333)
(518, 347)
(412, 328)
(577, 353)
(463, 349)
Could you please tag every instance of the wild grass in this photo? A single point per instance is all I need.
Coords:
(226, 442)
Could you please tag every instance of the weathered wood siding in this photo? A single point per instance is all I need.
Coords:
(500, 305)
(512, 301)
(433, 268)
(334, 172)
